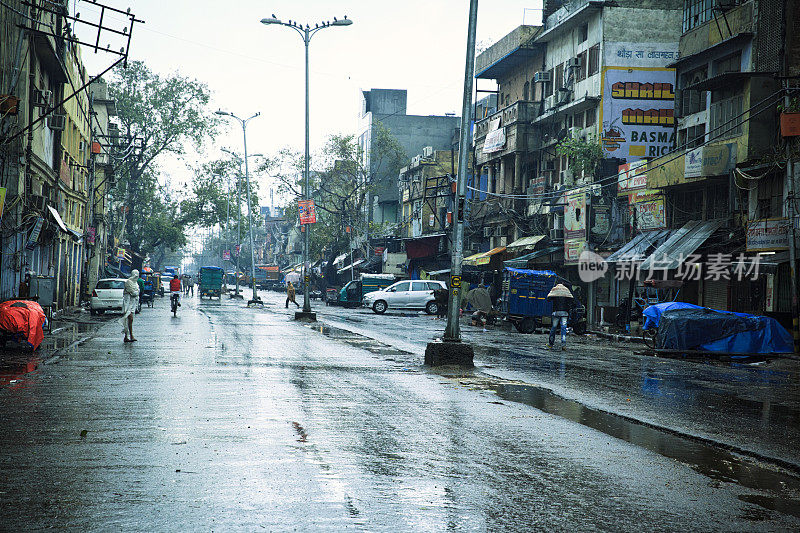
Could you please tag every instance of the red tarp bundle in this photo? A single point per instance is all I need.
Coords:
(24, 318)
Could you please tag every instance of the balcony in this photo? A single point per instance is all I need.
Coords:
(519, 111)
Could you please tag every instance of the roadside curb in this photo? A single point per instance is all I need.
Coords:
(617, 337)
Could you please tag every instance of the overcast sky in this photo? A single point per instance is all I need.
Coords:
(409, 44)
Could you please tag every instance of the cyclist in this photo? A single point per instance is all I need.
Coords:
(175, 288)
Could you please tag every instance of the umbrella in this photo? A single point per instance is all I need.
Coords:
(559, 291)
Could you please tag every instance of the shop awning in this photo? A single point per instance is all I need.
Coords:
(348, 267)
(524, 242)
(636, 249)
(682, 243)
(483, 258)
(522, 261)
(58, 220)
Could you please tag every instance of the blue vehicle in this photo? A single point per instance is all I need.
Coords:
(525, 304)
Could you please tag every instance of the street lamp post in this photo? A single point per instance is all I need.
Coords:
(451, 350)
(306, 32)
(243, 122)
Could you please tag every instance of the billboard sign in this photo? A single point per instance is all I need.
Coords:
(637, 112)
(768, 235)
(632, 176)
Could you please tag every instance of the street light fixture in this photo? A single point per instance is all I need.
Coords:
(243, 122)
(306, 32)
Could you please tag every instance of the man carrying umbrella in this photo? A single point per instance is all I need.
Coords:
(562, 301)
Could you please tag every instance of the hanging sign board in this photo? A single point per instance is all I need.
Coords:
(34, 237)
(307, 211)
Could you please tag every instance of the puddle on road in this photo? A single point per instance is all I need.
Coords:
(706, 459)
(358, 341)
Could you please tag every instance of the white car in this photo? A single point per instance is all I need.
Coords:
(107, 295)
(407, 294)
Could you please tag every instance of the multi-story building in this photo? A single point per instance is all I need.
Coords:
(104, 141)
(726, 185)
(384, 110)
(32, 73)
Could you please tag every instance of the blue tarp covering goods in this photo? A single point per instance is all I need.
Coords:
(683, 326)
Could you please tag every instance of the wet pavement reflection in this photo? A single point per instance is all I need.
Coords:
(227, 418)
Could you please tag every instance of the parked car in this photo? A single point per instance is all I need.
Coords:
(107, 296)
(408, 294)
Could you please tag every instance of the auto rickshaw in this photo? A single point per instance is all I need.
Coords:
(152, 286)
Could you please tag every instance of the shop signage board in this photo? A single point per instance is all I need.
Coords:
(768, 235)
(307, 211)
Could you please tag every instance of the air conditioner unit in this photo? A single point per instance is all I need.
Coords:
(56, 122)
(415, 161)
(574, 62)
(475, 247)
(502, 241)
(427, 151)
(566, 177)
(541, 77)
(562, 96)
(557, 234)
(42, 98)
(488, 232)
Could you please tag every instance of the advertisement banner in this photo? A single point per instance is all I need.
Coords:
(637, 112)
(768, 235)
(650, 214)
(120, 254)
(91, 233)
(712, 160)
(226, 255)
(307, 211)
(2, 201)
(632, 176)
(572, 250)
(632, 54)
(575, 215)
(496, 137)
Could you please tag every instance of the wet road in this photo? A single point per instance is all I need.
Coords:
(752, 408)
(228, 418)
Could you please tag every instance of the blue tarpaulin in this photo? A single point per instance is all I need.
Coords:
(683, 326)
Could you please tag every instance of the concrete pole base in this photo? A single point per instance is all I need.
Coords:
(239, 296)
(441, 353)
(307, 316)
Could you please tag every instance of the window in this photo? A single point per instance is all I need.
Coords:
(110, 284)
(770, 197)
(419, 286)
(583, 33)
(731, 63)
(594, 59)
(726, 110)
(591, 115)
(698, 12)
(692, 137)
(578, 121)
(559, 79)
(548, 86)
(433, 286)
(526, 89)
(580, 73)
(692, 101)
(401, 287)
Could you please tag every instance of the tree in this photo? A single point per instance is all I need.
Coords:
(163, 114)
(584, 155)
(340, 183)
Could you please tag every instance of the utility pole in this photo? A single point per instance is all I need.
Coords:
(451, 350)
(792, 233)
(306, 32)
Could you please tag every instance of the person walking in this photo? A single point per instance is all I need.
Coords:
(130, 299)
(190, 283)
(441, 296)
(562, 301)
(140, 282)
(290, 294)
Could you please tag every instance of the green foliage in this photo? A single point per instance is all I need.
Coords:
(792, 107)
(584, 155)
(164, 113)
(340, 186)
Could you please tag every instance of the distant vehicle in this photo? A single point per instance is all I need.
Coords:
(408, 294)
(211, 281)
(164, 283)
(107, 296)
(266, 275)
(353, 291)
(172, 270)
